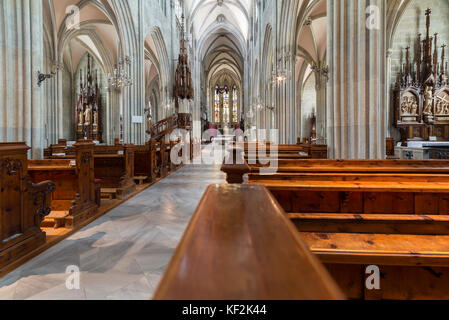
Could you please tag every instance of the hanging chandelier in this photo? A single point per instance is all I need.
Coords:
(121, 78)
(281, 73)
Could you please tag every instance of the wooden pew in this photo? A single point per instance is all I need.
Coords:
(393, 214)
(299, 151)
(58, 148)
(114, 165)
(143, 164)
(74, 200)
(23, 205)
(240, 246)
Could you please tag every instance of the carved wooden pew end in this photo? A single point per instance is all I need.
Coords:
(23, 205)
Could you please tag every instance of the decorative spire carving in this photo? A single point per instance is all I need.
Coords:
(183, 88)
(426, 69)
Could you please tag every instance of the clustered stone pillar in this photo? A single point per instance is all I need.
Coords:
(356, 89)
(286, 103)
(320, 86)
(21, 57)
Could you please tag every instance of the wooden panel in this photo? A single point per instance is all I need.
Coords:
(349, 278)
(382, 202)
(396, 282)
(411, 283)
(315, 201)
(285, 199)
(427, 203)
(351, 202)
(239, 245)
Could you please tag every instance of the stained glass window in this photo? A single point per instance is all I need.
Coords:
(235, 106)
(226, 105)
(217, 105)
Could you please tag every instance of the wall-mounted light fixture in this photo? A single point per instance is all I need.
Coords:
(41, 77)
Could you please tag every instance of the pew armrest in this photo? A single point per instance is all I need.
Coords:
(40, 197)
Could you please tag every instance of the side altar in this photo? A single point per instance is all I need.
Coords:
(421, 95)
(89, 107)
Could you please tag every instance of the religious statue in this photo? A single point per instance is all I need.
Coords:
(439, 107)
(405, 106)
(87, 116)
(95, 117)
(81, 117)
(446, 108)
(428, 100)
(414, 110)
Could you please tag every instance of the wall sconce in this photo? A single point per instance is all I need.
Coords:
(41, 77)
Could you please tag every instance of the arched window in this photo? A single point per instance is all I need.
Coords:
(217, 105)
(226, 105)
(235, 106)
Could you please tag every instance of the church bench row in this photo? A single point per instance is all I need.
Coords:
(303, 151)
(393, 214)
(113, 165)
(239, 245)
(151, 161)
(23, 205)
(75, 198)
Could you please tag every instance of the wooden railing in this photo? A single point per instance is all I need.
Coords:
(167, 125)
(240, 246)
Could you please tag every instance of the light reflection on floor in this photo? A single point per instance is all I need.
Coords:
(123, 254)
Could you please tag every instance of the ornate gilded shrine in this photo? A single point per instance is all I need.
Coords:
(89, 106)
(422, 92)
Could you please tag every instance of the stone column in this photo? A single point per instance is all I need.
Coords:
(321, 103)
(21, 57)
(356, 89)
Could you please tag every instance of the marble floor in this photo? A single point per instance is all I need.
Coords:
(123, 254)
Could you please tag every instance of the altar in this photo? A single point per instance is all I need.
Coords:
(423, 150)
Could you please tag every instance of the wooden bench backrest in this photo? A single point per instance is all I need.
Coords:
(23, 204)
(74, 178)
(239, 245)
(362, 166)
(115, 170)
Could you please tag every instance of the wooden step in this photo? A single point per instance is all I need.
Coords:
(140, 179)
(379, 249)
(56, 219)
(108, 193)
(371, 223)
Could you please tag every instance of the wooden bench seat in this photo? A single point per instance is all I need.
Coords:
(371, 223)
(239, 245)
(379, 249)
(393, 214)
(372, 186)
(359, 166)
